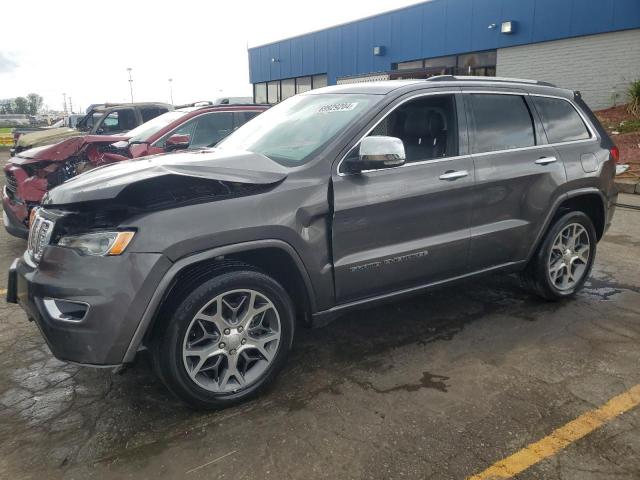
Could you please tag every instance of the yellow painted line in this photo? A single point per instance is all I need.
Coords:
(561, 437)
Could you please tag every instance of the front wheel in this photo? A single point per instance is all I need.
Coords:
(562, 263)
(226, 340)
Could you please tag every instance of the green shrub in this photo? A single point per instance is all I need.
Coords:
(634, 97)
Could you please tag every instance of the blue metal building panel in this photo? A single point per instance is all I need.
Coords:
(626, 13)
(433, 41)
(433, 29)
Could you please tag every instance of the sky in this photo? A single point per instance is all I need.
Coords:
(83, 49)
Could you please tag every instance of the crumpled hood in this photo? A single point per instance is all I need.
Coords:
(66, 148)
(105, 183)
(33, 138)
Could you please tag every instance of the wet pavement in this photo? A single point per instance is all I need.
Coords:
(438, 386)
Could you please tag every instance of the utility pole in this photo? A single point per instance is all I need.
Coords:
(130, 83)
(70, 105)
(171, 89)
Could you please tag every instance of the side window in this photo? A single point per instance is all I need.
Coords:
(185, 129)
(240, 118)
(427, 127)
(110, 122)
(500, 122)
(560, 119)
(151, 112)
(118, 121)
(212, 128)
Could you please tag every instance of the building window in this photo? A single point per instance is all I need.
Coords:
(319, 81)
(273, 92)
(260, 93)
(288, 88)
(303, 84)
(278, 90)
(410, 65)
(477, 63)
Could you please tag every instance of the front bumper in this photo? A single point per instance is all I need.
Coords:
(116, 291)
(14, 216)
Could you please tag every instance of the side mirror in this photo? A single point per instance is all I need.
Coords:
(177, 142)
(378, 152)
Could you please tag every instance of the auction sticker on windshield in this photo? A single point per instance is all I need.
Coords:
(338, 107)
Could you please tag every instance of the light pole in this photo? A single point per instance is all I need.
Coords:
(130, 83)
(171, 89)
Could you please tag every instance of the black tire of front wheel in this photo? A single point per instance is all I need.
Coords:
(167, 345)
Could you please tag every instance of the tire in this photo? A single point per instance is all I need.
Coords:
(546, 274)
(213, 352)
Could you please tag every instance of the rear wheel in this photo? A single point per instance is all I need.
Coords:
(226, 340)
(564, 260)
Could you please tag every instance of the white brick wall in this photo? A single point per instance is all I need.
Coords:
(595, 64)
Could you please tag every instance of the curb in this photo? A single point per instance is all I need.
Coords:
(628, 186)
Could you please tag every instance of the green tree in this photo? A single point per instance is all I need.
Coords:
(6, 107)
(35, 103)
(21, 105)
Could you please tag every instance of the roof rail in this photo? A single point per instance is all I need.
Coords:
(457, 78)
(224, 105)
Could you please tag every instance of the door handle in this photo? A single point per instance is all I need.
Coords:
(454, 175)
(546, 160)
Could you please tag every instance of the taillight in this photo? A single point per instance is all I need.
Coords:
(615, 154)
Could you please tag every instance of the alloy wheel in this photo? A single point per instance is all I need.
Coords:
(569, 257)
(231, 341)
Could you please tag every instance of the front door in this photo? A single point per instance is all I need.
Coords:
(403, 227)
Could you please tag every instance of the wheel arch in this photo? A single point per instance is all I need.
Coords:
(590, 201)
(274, 257)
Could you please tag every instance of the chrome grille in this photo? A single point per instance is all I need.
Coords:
(39, 236)
(10, 181)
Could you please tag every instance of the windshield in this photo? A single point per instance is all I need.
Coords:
(292, 131)
(147, 129)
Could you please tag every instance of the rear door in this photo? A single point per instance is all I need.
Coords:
(517, 175)
(402, 227)
(574, 140)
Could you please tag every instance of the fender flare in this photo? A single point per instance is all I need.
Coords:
(554, 210)
(166, 282)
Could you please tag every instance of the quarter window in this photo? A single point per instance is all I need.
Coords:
(560, 119)
(500, 122)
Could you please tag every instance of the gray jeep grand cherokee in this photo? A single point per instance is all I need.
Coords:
(334, 199)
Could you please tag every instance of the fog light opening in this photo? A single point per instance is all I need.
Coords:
(66, 310)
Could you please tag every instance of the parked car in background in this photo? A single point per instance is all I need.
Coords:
(334, 199)
(107, 119)
(30, 174)
(63, 126)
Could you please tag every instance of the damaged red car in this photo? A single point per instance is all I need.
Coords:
(30, 174)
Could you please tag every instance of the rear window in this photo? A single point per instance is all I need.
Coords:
(560, 119)
(500, 122)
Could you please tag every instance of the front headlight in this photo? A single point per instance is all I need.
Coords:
(98, 243)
